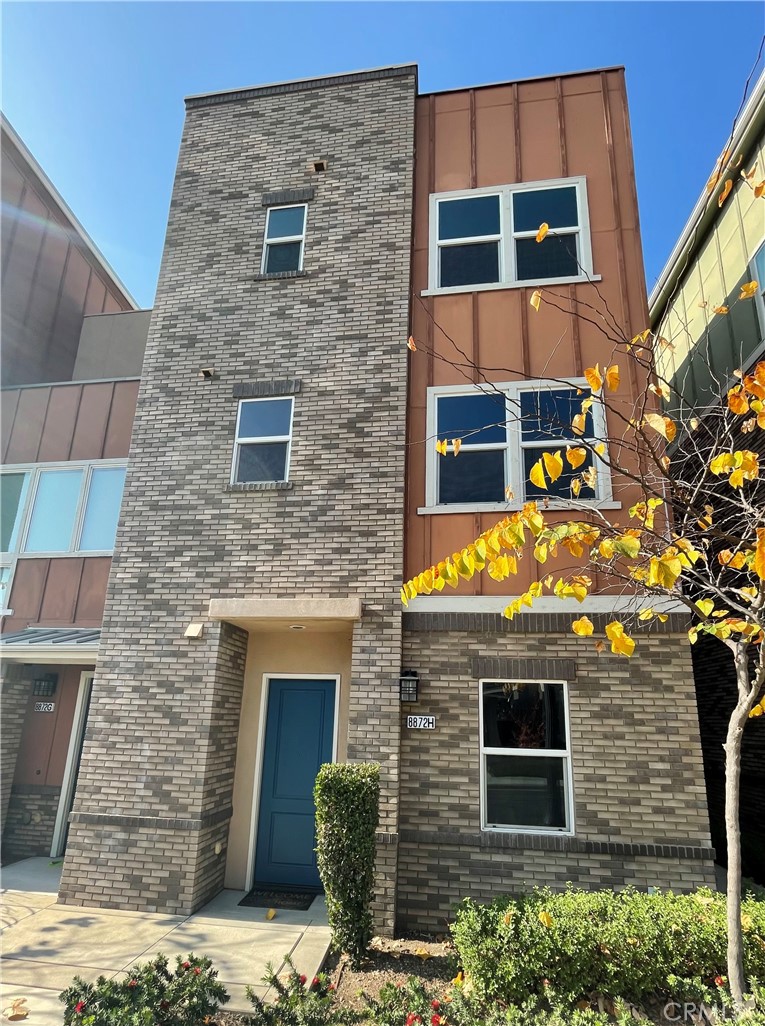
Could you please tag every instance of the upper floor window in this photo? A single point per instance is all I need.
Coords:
(61, 509)
(285, 239)
(486, 238)
(525, 756)
(263, 435)
(503, 430)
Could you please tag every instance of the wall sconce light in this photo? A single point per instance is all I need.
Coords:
(408, 683)
(194, 630)
(207, 373)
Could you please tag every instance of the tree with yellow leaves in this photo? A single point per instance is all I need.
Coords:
(695, 538)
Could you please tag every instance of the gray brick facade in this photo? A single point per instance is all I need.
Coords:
(153, 804)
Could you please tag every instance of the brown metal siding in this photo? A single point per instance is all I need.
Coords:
(529, 131)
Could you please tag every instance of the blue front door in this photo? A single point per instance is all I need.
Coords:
(300, 721)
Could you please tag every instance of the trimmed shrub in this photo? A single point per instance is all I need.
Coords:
(151, 994)
(347, 800)
(628, 944)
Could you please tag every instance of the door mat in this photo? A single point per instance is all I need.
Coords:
(299, 901)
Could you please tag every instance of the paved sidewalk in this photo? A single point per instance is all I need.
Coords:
(45, 944)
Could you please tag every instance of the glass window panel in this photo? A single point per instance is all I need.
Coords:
(560, 489)
(264, 462)
(557, 207)
(284, 256)
(285, 222)
(50, 529)
(525, 791)
(468, 218)
(13, 493)
(460, 414)
(554, 257)
(265, 417)
(547, 415)
(759, 267)
(102, 509)
(472, 476)
(475, 264)
(5, 576)
(524, 715)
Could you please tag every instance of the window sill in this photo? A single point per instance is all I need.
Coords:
(521, 832)
(280, 275)
(512, 507)
(496, 285)
(259, 486)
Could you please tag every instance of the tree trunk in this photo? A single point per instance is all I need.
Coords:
(733, 742)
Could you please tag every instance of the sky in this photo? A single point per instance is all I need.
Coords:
(96, 89)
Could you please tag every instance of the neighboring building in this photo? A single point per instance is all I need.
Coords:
(252, 627)
(71, 379)
(720, 249)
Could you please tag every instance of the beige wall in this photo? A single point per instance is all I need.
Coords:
(302, 653)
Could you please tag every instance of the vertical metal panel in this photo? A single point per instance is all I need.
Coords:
(61, 416)
(60, 597)
(120, 425)
(28, 424)
(8, 403)
(26, 593)
(92, 420)
(92, 591)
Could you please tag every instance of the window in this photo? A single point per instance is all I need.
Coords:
(61, 509)
(285, 238)
(504, 430)
(263, 434)
(525, 756)
(486, 238)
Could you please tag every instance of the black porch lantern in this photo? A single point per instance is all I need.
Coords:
(408, 683)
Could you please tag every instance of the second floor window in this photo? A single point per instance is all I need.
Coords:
(285, 239)
(263, 434)
(503, 431)
(486, 238)
(61, 509)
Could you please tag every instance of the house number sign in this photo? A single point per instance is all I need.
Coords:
(45, 706)
(421, 722)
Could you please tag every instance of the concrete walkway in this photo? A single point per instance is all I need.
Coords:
(44, 944)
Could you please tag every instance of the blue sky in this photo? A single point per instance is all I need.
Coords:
(96, 89)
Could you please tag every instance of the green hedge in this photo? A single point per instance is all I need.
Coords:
(628, 944)
(347, 800)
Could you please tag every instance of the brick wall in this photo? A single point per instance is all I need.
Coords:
(639, 802)
(13, 707)
(157, 770)
(30, 821)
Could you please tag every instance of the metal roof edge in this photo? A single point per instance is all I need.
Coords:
(520, 81)
(296, 84)
(64, 207)
(703, 209)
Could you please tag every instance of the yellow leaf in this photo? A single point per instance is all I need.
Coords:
(590, 477)
(553, 464)
(576, 456)
(422, 953)
(599, 646)
(759, 190)
(621, 643)
(759, 554)
(737, 401)
(544, 228)
(725, 192)
(705, 606)
(606, 548)
(545, 919)
(646, 614)
(749, 289)
(612, 377)
(721, 310)
(456, 445)
(578, 423)
(664, 343)
(271, 914)
(576, 486)
(627, 545)
(537, 475)
(441, 446)
(509, 494)
(536, 298)
(664, 571)
(411, 344)
(404, 599)
(641, 339)
(594, 380)
(749, 175)
(714, 178)
(540, 552)
(665, 426)
(583, 627)
(661, 390)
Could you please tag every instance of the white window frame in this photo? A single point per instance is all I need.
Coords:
(564, 754)
(35, 470)
(514, 449)
(284, 238)
(507, 260)
(262, 439)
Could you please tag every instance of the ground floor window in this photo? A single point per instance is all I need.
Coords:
(525, 756)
